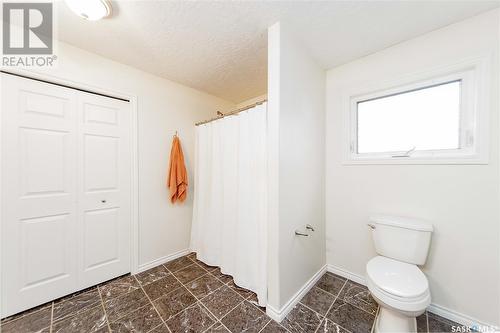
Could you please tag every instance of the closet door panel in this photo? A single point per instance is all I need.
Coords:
(39, 193)
(101, 163)
(43, 261)
(101, 238)
(105, 197)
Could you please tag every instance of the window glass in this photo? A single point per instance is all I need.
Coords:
(423, 119)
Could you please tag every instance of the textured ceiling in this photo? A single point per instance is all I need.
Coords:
(221, 47)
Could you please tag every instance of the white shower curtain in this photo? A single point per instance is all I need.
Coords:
(229, 226)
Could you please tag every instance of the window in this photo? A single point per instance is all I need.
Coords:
(425, 122)
(423, 119)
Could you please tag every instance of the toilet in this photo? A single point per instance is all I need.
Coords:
(393, 277)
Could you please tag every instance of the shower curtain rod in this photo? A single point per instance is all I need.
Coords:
(231, 112)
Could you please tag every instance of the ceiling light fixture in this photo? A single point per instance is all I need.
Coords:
(91, 10)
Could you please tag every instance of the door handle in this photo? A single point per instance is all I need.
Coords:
(103, 201)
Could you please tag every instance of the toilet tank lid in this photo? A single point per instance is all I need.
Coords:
(402, 222)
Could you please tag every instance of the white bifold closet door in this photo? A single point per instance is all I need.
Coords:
(66, 191)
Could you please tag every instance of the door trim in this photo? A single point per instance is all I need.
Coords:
(132, 99)
(64, 86)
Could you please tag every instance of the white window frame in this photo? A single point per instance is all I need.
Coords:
(474, 111)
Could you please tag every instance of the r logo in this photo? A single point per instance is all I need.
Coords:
(27, 28)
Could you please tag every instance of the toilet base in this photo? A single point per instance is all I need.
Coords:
(392, 321)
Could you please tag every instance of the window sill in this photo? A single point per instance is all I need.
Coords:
(465, 160)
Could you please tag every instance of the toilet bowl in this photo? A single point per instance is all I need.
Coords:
(393, 278)
(401, 290)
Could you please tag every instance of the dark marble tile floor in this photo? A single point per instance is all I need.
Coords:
(186, 295)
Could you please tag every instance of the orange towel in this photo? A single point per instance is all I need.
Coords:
(177, 180)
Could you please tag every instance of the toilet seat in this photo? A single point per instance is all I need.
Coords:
(399, 285)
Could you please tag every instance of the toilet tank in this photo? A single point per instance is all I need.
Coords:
(401, 238)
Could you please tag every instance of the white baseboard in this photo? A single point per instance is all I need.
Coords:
(434, 308)
(462, 318)
(346, 274)
(279, 315)
(161, 260)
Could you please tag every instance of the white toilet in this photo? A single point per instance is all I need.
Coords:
(393, 277)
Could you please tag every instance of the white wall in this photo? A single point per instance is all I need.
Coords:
(273, 118)
(163, 108)
(296, 106)
(462, 201)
